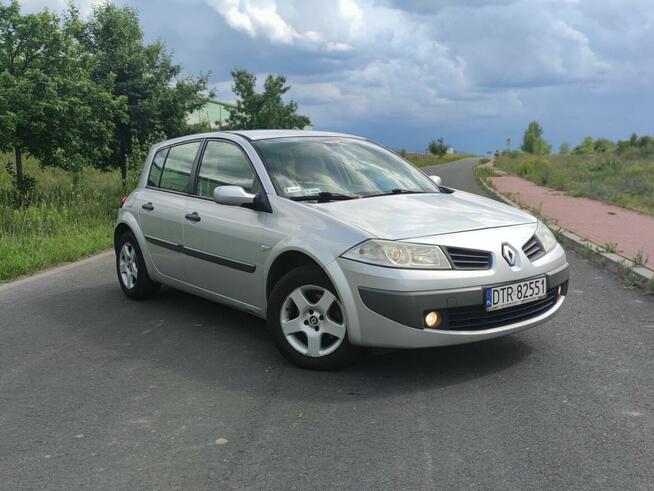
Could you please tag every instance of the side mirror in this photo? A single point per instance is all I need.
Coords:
(436, 179)
(232, 196)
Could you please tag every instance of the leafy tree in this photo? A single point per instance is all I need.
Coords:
(263, 110)
(143, 75)
(587, 145)
(438, 147)
(564, 149)
(533, 141)
(49, 105)
(603, 145)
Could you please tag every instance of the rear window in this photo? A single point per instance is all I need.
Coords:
(177, 169)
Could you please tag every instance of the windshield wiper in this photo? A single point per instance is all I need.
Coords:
(395, 191)
(324, 196)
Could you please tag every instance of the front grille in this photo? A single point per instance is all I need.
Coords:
(468, 258)
(477, 318)
(533, 249)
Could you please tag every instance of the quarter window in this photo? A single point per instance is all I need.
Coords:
(177, 170)
(156, 168)
(224, 164)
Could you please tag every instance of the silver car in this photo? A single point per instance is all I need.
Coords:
(337, 241)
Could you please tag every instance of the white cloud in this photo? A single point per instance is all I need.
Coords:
(419, 59)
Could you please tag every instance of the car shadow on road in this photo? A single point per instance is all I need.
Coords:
(216, 345)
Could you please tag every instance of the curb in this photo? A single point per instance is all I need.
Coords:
(624, 268)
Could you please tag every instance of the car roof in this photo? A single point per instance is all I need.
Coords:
(267, 134)
(254, 135)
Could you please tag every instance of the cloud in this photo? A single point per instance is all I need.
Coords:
(404, 69)
(290, 23)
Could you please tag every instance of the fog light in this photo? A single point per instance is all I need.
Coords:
(433, 319)
(559, 290)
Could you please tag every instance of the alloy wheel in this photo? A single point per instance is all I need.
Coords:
(312, 321)
(128, 266)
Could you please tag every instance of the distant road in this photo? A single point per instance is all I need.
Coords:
(457, 174)
(100, 392)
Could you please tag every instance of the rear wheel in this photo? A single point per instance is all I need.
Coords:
(307, 321)
(132, 273)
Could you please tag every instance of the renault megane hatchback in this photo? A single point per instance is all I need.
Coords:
(338, 242)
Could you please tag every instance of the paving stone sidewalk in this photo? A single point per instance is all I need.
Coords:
(593, 220)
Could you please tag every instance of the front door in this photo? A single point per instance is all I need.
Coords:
(223, 243)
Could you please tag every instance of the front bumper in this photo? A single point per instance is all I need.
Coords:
(385, 307)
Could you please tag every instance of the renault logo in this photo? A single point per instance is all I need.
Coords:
(509, 254)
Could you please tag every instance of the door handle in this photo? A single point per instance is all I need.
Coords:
(193, 217)
(148, 206)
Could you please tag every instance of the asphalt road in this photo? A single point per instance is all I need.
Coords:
(100, 392)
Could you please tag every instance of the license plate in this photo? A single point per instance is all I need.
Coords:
(500, 297)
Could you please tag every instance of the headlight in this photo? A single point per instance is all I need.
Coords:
(399, 255)
(545, 236)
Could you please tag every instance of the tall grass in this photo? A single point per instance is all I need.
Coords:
(67, 216)
(626, 181)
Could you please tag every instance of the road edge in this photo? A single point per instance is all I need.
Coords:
(40, 273)
(625, 269)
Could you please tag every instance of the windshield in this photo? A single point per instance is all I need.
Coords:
(329, 167)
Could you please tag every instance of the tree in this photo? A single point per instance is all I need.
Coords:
(263, 110)
(587, 145)
(144, 76)
(533, 141)
(603, 145)
(49, 105)
(564, 149)
(438, 147)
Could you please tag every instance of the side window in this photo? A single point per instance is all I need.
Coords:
(224, 164)
(177, 170)
(157, 166)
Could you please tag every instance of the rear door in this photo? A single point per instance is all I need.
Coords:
(162, 204)
(223, 243)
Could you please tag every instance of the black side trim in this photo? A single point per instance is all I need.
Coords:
(165, 244)
(223, 261)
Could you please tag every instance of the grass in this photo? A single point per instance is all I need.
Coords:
(68, 217)
(423, 160)
(609, 177)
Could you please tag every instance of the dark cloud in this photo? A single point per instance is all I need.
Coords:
(403, 72)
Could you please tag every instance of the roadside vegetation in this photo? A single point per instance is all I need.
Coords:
(67, 217)
(81, 100)
(621, 173)
(425, 159)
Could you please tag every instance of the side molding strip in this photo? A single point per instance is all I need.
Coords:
(223, 261)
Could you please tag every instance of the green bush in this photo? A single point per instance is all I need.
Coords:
(610, 177)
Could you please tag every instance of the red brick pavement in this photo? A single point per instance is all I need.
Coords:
(593, 220)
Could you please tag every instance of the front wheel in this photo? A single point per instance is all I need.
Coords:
(307, 321)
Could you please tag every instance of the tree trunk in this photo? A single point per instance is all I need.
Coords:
(19, 167)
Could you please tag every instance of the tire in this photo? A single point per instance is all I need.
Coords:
(130, 266)
(314, 335)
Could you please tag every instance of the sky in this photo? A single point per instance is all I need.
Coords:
(402, 73)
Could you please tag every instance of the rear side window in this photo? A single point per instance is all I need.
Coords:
(224, 164)
(177, 169)
(157, 167)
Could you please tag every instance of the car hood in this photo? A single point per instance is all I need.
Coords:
(406, 216)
